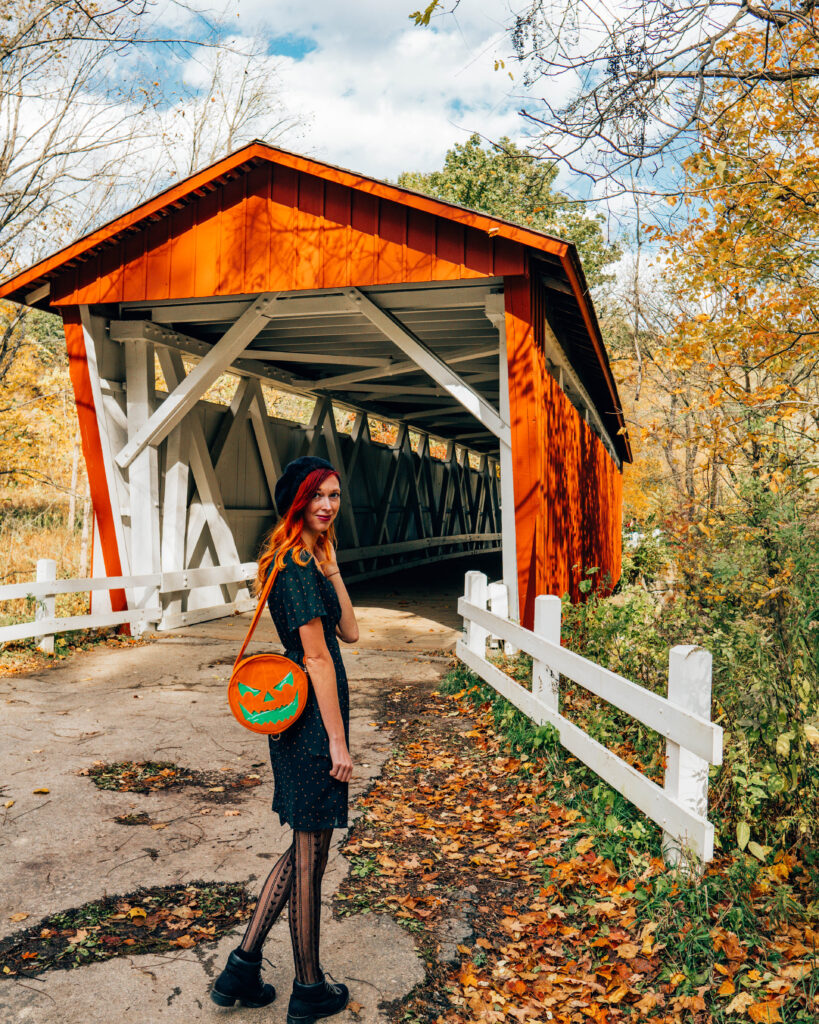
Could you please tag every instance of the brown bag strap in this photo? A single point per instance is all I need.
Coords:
(268, 586)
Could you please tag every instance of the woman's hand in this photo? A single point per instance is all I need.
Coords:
(330, 564)
(342, 762)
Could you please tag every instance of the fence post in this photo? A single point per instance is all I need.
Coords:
(475, 592)
(686, 775)
(545, 682)
(46, 608)
(498, 605)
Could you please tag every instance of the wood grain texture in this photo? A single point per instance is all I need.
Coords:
(275, 229)
(92, 450)
(286, 224)
(568, 490)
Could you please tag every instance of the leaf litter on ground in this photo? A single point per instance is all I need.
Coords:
(569, 912)
(145, 921)
(152, 776)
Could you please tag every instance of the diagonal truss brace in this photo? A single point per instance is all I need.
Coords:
(430, 363)
(188, 392)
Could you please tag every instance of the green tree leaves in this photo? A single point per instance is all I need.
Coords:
(506, 181)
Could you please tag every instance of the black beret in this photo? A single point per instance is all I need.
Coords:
(294, 475)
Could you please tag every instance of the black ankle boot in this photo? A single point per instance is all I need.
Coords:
(242, 979)
(309, 1003)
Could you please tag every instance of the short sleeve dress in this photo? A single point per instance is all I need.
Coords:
(304, 795)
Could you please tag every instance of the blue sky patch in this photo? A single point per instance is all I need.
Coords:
(291, 45)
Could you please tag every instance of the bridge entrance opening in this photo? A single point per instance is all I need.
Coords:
(472, 339)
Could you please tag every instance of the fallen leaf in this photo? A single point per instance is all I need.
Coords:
(726, 988)
(627, 950)
(766, 1012)
(232, 814)
(618, 994)
(158, 825)
(648, 1002)
(41, 789)
(9, 803)
(137, 912)
(28, 955)
(354, 1007)
(796, 971)
(18, 917)
(689, 1003)
(185, 941)
(740, 1003)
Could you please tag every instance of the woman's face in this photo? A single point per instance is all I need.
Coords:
(323, 509)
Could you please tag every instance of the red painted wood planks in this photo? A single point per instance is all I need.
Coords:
(276, 228)
(336, 242)
(526, 446)
(310, 220)
(567, 488)
(207, 244)
(92, 448)
(284, 197)
(257, 230)
(183, 253)
(232, 279)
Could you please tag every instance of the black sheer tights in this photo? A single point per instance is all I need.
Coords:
(296, 877)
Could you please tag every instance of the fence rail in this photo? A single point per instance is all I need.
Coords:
(693, 742)
(155, 589)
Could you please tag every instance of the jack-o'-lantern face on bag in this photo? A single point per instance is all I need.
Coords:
(270, 708)
(267, 693)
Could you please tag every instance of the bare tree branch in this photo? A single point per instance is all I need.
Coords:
(630, 90)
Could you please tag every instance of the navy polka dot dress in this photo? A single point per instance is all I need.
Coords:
(304, 795)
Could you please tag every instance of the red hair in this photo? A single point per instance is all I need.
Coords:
(286, 534)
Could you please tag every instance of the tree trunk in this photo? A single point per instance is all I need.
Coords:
(72, 497)
(86, 517)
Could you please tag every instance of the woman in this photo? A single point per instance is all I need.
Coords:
(311, 761)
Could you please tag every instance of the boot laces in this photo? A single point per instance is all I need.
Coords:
(332, 984)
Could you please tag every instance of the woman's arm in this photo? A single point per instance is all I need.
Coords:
(347, 628)
(322, 674)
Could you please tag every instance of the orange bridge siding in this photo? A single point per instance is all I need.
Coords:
(278, 229)
(92, 450)
(263, 219)
(567, 488)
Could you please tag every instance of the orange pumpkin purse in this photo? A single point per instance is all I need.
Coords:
(266, 692)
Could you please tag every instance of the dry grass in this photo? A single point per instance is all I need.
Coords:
(30, 531)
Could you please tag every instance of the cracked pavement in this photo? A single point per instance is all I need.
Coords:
(166, 700)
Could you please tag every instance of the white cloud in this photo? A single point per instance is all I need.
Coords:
(379, 95)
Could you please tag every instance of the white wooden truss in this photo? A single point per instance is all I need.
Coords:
(194, 481)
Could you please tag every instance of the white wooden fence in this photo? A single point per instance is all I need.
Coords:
(683, 717)
(147, 594)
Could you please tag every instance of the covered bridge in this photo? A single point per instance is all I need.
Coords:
(458, 327)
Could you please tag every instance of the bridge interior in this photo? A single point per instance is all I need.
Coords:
(195, 484)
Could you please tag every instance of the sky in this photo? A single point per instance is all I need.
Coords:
(375, 93)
